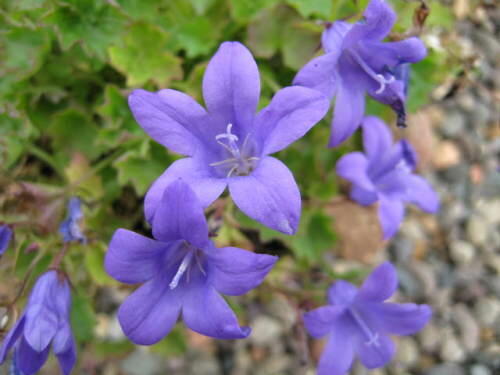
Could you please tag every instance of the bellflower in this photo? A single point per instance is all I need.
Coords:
(70, 227)
(183, 273)
(5, 237)
(359, 322)
(384, 174)
(44, 323)
(229, 143)
(358, 62)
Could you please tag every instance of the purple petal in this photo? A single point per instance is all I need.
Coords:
(5, 237)
(320, 321)
(150, 313)
(180, 216)
(409, 154)
(333, 36)
(379, 19)
(231, 86)
(12, 337)
(29, 361)
(420, 192)
(65, 349)
(237, 271)
(205, 312)
(132, 258)
(362, 196)
(338, 354)
(170, 117)
(374, 355)
(193, 173)
(349, 109)
(391, 214)
(394, 96)
(269, 195)
(342, 293)
(353, 167)
(380, 55)
(319, 74)
(380, 285)
(377, 138)
(292, 112)
(402, 318)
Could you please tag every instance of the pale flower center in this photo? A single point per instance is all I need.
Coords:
(193, 256)
(239, 162)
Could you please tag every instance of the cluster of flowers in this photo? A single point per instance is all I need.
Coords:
(228, 144)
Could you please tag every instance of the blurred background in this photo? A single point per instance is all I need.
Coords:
(66, 68)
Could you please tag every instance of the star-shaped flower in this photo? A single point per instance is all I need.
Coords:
(183, 273)
(384, 174)
(358, 62)
(229, 143)
(44, 323)
(359, 322)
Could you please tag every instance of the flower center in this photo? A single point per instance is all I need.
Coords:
(238, 163)
(372, 337)
(380, 78)
(191, 256)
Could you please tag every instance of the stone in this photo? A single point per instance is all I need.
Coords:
(141, 362)
(205, 365)
(480, 370)
(430, 337)
(447, 369)
(407, 353)
(477, 230)
(451, 350)
(487, 311)
(467, 326)
(266, 330)
(462, 252)
(446, 155)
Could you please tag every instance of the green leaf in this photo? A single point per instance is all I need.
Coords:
(83, 318)
(321, 8)
(197, 37)
(94, 263)
(299, 45)
(14, 134)
(245, 10)
(143, 56)
(96, 24)
(201, 6)
(79, 174)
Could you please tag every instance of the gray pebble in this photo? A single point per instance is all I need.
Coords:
(265, 330)
(480, 370)
(462, 252)
(487, 310)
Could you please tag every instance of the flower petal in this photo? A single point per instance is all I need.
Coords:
(349, 109)
(206, 187)
(65, 349)
(205, 312)
(342, 293)
(391, 214)
(362, 196)
(380, 55)
(338, 354)
(237, 271)
(180, 216)
(402, 318)
(231, 86)
(319, 74)
(394, 96)
(12, 337)
(150, 313)
(28, 360)
(379, 19)
(377, 138)
(320, 321)
(292, 112)
(5, 237)
(421, 193)
(170, 117)
(374, 355)
(333, 36)
(353, 167)
(132, 258)
(380, 285)
(269, 195)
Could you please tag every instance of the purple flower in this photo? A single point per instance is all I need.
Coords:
(5, 237)
(44, 323)
(183, 273)
(359, 322)
(70, 227)
(229, 144)
(384, 174)
(358, 62)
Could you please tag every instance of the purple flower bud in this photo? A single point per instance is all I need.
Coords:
(70, 227)
(44, 323)
(5, 237)
(358, 322)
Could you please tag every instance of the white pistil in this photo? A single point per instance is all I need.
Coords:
(182, 269)
(368, 70)
(372, 337)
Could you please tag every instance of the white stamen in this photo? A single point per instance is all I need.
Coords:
(372, 337)
(368, 70)
(182, 269)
